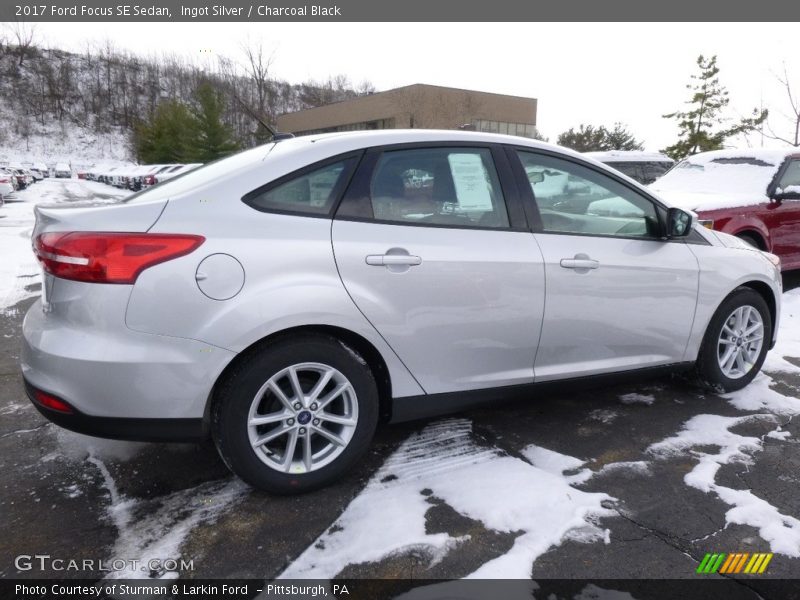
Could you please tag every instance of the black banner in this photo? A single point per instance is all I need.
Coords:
(398, 11)
(700, 588)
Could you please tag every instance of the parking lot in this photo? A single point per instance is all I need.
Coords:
(634, 481)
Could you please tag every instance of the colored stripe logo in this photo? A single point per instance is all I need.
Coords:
(737, 562)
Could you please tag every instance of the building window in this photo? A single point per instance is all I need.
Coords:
(521, 129)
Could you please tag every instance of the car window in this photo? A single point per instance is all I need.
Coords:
(455, 187)
(575, 199)
(312, 192)
(654, 170)
(791, 176)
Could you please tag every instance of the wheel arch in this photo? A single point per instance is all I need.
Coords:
(756, 235)
(765, 291)
(351, 340)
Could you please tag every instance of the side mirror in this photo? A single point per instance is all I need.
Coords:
(679, 223)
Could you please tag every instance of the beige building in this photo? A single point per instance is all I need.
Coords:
(418, 106)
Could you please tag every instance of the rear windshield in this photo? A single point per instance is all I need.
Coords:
(201, 175)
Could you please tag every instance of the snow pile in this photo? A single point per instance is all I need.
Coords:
(443, 461)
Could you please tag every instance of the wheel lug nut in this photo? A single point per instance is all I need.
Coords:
(290, 422)
(313, 406)
(297, 406)
(302, 431)
(316, 421)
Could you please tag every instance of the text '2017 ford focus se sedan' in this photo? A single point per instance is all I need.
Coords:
(287, 298)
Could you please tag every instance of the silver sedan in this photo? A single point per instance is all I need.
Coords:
(285, 300)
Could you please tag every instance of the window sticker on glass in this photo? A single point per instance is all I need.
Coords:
(471, 182)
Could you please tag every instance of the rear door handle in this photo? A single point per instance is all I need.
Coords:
(388, 260)
(579, 263)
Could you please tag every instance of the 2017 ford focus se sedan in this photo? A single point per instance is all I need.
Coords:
(287, 298)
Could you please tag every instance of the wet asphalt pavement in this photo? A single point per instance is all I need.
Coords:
(61, 494)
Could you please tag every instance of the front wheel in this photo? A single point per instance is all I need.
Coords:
(296, 415)
(736, 342)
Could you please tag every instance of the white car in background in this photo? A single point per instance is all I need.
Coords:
(644, 167)
(63, 170)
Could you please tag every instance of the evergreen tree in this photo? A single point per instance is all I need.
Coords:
(703, 126)
(168, 136)
(589, 138)
(620, 138)
(213, 139)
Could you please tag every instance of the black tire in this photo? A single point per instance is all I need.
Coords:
(236, 393)
(750, 239)
(707, 369)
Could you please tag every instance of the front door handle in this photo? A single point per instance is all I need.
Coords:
(389, 260)
(581, 261)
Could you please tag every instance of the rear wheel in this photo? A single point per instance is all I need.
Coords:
(736, 342)
(296, 415)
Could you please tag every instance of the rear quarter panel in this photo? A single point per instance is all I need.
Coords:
(291, 280)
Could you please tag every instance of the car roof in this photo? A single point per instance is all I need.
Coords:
(353, 140)
(773, 155)
(629, 156)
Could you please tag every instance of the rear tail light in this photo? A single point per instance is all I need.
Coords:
(96, 257)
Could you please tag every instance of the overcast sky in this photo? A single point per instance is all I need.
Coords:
(595, 73)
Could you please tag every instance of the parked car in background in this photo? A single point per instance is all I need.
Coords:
(42, 168)
(753, 194)
(37, 174)
(7, 186)
(644, 167)
(180, 170)
(63, 170)
(150, 179)
(144, 173)
(284, 299)
(23, 179)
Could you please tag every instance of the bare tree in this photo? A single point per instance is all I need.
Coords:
(794, 118)
(23, 34)
(258, 68)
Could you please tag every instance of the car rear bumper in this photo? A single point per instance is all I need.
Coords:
(139, 430)
(114, 377)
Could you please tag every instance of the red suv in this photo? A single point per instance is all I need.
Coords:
(753, 194)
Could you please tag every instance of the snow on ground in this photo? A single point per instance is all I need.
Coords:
(444, 461)
(19, 269)
(764, 403)
(159, 534)
(788, 335)
(634, 398)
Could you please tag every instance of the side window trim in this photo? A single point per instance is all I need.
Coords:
(356, 204)
(532, 207)
(351, 159)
